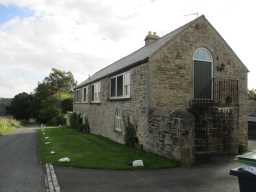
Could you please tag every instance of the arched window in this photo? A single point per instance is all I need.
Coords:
(202, 73)
(202, 54)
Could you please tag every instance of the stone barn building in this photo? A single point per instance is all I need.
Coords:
(185, 93)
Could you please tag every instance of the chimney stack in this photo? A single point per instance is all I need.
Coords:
(151, 37)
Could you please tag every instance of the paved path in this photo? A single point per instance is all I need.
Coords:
(20, 170)
(212, 177)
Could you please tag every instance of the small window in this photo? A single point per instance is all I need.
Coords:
(92, 92)
(85, 94)
(120, 86)
(118, 120)
(77, 96)
(95, 92)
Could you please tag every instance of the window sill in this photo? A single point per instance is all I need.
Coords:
(119, 98)
(95, 102)
(118, 130)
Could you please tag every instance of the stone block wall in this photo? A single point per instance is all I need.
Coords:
(171, 80)
(101, 115)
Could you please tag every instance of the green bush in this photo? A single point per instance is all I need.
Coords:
(85, 126)
(67, 105)
(76, 122)
(131, 139)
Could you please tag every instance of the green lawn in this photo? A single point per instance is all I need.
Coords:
(91, 151)
(8, 125)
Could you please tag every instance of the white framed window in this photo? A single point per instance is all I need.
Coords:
(85, 94)
(118, 120)
(120, 86)
(95, 92)
(78, 95)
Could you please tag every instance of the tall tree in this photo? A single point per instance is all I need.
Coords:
(22, 106)
(52, 96)
(59, 80)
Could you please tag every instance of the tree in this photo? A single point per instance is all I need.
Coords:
(22, 106)
(50, 112)
(59, 80)
(53, 97)
(67, 105)
(252, 94)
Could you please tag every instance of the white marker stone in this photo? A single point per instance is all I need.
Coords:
(137, 163)
(52, 152)
(64, 159)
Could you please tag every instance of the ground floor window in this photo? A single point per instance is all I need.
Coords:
(118, 120)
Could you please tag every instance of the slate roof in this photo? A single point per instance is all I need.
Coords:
(140, 55)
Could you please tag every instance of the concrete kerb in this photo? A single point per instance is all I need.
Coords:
(51, 180)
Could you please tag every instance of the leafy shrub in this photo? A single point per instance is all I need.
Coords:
(85, 127)
(131, 139)
(76, 122)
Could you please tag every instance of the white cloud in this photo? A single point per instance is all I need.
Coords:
(85, 35)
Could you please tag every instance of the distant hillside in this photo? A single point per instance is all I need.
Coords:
(4, 102)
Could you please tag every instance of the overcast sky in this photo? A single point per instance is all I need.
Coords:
(82, 36)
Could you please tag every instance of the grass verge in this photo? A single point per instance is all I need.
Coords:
(8, 125)
(92, 151)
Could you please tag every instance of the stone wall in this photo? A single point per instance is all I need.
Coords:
(102, 116)
(171, 81)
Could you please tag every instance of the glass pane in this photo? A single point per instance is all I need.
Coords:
(202, 54)
(113, 87)
(79, 95)
(202, 80)
(120, 85)
(85, 94)
(125, 90)
(92, 92)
